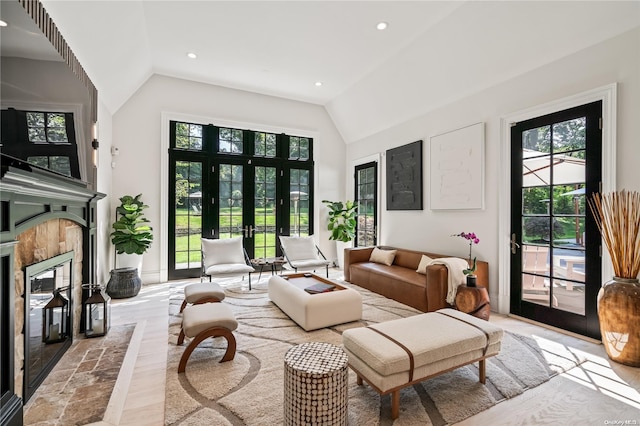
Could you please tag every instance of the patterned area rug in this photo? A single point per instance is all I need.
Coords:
(249, 389)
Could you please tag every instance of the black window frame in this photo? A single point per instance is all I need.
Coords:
(16, 142)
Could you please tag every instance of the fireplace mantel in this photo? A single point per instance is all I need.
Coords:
(30, 197)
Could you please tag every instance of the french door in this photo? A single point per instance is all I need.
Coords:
(366, 190)
(555, 243)
(228, 183)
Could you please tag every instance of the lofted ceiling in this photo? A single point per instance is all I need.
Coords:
(432, 53)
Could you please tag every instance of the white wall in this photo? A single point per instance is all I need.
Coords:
(137, 135)
(104, 175)
(50, 86)
(616, 60)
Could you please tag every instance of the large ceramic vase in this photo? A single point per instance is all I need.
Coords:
(619, 315)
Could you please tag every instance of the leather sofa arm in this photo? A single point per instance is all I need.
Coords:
(437, 287)
(355, 255)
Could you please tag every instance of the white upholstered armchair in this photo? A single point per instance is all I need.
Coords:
(225, 258)
(302, 253)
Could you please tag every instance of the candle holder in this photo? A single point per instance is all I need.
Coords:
(55, 318)
(96, 309)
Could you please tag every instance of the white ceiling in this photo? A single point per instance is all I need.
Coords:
(433, 52)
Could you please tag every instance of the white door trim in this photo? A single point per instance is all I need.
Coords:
(607, 94)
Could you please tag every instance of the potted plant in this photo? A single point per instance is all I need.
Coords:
(342, 224)
(617, 215)
(471, 271)
(131, 234)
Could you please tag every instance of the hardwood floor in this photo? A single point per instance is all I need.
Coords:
(598, 392)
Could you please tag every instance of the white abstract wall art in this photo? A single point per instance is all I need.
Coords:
(457, 169)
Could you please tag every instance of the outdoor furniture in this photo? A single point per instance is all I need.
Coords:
(202, 293)
(534, 261)
(302, 253)
(203, 321)
(316, 383)
(225, 258)
(568, 271)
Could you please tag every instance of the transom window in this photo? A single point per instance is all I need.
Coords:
(44, 139)
(44, 127)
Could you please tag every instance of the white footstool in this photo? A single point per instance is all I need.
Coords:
(207, 320)
(202, 293)
(395, 354)
(314, 311)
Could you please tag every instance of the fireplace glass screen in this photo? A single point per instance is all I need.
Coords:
(48, 325)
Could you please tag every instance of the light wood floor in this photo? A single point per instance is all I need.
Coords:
(598, 392)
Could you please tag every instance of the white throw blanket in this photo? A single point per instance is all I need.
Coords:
(455, 266)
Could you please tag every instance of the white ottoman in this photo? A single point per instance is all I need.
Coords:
(314, 311)
(203, 321)
(202, 293)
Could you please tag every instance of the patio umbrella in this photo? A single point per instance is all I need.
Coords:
(537, 166)
(579, 191)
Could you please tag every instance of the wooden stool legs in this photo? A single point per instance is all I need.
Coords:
(209, 332)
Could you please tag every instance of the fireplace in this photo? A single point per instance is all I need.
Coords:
(47, 251)
(49, 309)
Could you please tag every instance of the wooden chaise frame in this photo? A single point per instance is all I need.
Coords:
(395, 392)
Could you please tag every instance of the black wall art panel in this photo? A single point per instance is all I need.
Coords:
(404, 177)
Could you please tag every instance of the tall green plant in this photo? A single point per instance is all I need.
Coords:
(342, 220)
(131, 234)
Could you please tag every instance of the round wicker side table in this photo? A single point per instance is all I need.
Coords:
(315, 385)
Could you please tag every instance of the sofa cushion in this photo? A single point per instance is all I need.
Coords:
(384, 257)
(424, 262)
(392, 272)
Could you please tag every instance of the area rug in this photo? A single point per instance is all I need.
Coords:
(249, 389)
(77, 390)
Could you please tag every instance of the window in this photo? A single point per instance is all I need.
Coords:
(229, 183)
(44, 139)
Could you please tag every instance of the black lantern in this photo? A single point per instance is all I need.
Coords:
(96, 312)
(55, 318)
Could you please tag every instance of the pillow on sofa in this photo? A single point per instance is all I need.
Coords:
(424, 262)
(382, 256)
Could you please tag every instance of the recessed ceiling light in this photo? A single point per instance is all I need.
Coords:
(2, 23)
(382, 26)
(192, 55)
(318, 83)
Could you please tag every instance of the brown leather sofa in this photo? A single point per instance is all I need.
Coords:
(400, 281)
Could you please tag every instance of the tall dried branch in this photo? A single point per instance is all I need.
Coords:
(617, 215)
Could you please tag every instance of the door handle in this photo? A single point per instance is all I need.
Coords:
(248, 231)
(514, 244)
